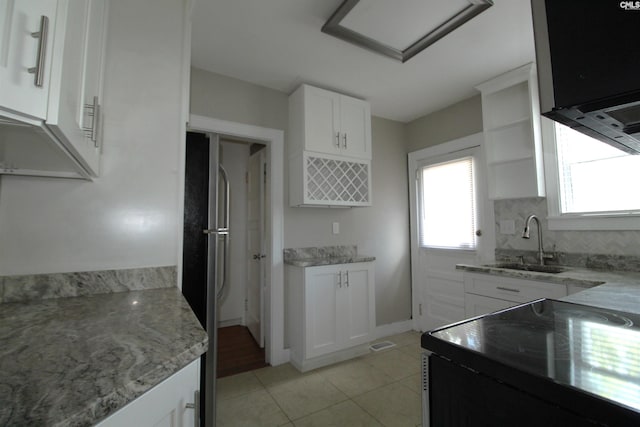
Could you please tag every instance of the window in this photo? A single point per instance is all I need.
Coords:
(447, 204)
(590, 184)
(595, 177)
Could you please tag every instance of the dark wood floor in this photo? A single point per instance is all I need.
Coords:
(237, 351)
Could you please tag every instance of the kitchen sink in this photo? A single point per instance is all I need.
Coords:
(553, 269)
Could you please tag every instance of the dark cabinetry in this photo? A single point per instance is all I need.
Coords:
(461, 397)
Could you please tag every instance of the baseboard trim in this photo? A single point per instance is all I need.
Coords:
(393, 328)
(230, 322)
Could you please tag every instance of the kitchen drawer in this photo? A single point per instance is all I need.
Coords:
(509, 289)
(477, 305)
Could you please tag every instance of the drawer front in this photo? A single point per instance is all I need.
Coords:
(509, 289)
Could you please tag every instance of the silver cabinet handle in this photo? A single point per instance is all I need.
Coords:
(340, 279)
(347, 275)
(338, 139)
(95, 123)
(93, 111)
(344, 140)
(38, 70)
(501, 288)
(196, 408)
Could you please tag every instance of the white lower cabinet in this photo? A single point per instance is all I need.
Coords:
(172, 403)
(331, 312)
(486, 293)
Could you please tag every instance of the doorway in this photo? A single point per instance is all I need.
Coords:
(241, 303)
(236, 201)
(275, 351)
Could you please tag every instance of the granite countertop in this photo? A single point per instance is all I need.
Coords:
(324, 255)
(313, 262)
(615, 290)
(74, 361)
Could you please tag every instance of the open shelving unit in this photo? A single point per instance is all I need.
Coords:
(513, 145)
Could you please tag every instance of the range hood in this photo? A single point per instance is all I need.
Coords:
(588, 64)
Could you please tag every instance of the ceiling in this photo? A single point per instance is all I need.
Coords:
(279, 44)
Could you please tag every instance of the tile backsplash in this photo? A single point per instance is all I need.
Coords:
(619, 243)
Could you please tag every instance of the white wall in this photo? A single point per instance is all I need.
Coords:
(234, 158)
(130, 216)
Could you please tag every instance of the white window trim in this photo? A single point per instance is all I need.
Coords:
(574, 222)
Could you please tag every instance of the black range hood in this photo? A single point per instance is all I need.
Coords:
(588, 60)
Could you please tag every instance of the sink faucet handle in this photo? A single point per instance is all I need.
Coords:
(520, 259)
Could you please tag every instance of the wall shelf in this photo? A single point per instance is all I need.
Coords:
(513, 144)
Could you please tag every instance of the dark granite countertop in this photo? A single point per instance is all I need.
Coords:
(314, 262)
(74, 361)
(616, 290)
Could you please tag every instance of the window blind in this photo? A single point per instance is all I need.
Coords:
(447, 204)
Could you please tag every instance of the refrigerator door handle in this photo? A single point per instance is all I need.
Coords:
(224, 232)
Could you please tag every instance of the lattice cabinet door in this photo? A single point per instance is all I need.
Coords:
(325, 180)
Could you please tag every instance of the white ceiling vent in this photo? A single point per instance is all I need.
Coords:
(400, 29)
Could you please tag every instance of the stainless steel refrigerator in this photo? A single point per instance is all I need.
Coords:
(205, 251)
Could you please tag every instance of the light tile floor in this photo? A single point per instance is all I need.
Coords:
(378, 389)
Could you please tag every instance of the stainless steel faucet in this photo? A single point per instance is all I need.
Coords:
(525, 235)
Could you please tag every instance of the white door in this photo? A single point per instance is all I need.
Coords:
(438, 288)
(255, 246)
(19, 53)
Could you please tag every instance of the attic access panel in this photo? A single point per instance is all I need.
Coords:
(402, 29)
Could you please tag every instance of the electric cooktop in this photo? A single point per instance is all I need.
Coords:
(592, 350)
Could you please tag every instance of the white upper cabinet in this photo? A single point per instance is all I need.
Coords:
(76, 81)
(329, 123)
(26, 40)
(513, 142)
(53, 129)
(329, 149)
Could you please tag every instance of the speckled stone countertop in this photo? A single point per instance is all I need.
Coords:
(314, 262)
(616, 290)
(74, 361)
(325, 255)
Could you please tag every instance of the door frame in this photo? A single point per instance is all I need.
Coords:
(275, 352)
(485, 253)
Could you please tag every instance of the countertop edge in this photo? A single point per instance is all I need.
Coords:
(315, 262)
(120, 397)
(563, 278)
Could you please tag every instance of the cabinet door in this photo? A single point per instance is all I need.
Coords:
(165, 405)
(19, 53)
(76, 79)
(355, 127)
(321, 286)
(92, 78)
(357, 306)
(477, 305)
(322, 121)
